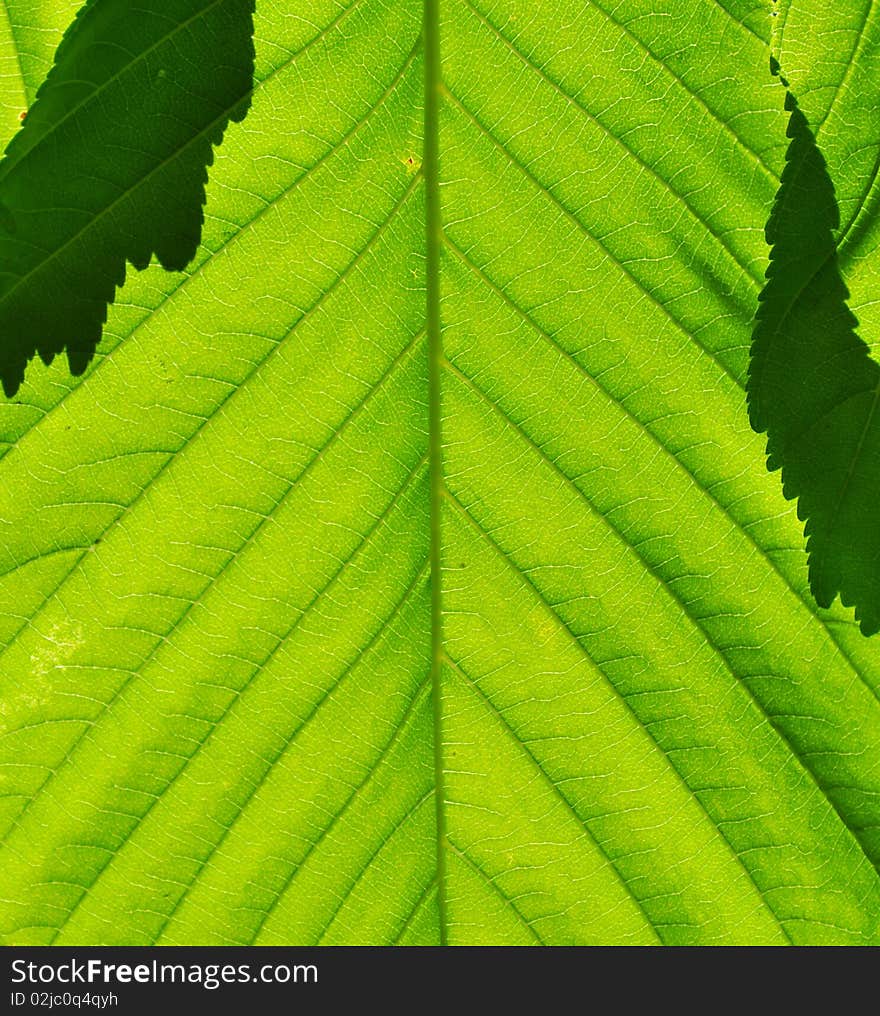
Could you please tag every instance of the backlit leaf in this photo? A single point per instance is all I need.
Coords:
(407, 568)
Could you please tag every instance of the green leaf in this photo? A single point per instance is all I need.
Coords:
(407, 570)
(111, 166)
(813, 385)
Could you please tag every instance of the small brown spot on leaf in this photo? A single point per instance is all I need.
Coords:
(412, 163)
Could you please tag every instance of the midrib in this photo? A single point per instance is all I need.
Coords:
(431, 170)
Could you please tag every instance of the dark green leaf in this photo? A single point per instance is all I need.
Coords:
(814, 388)
(111, 165)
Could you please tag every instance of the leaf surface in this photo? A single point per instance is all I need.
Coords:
(813, 384)
(406, 569)
(110, 166)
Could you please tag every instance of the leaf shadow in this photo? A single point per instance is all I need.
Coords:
(814, 387)
(111, 164)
